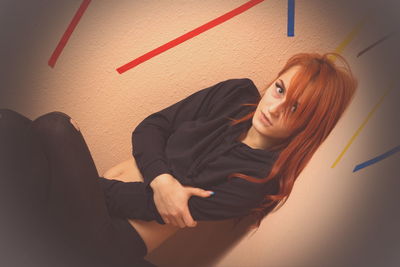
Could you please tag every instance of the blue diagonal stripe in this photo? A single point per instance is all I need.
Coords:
(376, 159)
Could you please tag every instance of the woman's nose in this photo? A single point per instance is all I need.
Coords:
(275, 108)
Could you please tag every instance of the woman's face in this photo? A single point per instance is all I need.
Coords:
(271, 106)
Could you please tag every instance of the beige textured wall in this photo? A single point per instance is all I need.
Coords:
(334, 217)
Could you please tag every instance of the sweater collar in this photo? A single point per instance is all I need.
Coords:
(229, 138)
(233, 133)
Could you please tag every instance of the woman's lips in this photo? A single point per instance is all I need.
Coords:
(265, 120)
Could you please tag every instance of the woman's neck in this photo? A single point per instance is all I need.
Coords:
(255, 140)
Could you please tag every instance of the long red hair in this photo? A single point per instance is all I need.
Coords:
(324, 90)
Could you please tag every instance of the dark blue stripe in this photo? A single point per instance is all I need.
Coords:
(378, 158)
(290, 25)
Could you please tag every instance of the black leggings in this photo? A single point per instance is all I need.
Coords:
(53, 210)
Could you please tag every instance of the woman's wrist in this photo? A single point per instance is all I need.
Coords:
(160, 178)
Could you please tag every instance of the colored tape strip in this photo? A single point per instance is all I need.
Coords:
(353, 33)
(362, 125)
(339, 50)
(290, 25)
(376, 159)
(188, 35)
(375, 44)
(67, 34)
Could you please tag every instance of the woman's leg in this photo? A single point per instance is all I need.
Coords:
(75, 200)
(24, 177)
(75, 179)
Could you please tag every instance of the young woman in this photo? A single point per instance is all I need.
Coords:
(180, 154)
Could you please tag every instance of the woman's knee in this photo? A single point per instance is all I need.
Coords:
(74, 123)
(10, 118)
(55, 122)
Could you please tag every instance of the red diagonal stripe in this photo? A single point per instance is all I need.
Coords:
(68, 32)
(188, 35)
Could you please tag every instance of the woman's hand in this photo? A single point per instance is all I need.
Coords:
(171, 199)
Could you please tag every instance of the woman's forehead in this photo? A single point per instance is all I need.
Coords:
(288, 75)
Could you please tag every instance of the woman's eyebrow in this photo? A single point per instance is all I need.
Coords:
(283, 84)
(284, 87)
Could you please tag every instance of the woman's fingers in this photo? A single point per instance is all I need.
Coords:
(176, 219)
(180, 222)
(171, 200)
(187, 218)
(165, 220)
(183, 217)
(170, 218)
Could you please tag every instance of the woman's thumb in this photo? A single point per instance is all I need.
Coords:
(201, 192)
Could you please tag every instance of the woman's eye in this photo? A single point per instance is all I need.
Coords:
(280, 90)
(294, 107)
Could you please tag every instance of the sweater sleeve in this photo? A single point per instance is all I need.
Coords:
(233, 198)
(150, 137)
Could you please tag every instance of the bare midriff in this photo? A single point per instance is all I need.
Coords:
(152, 233)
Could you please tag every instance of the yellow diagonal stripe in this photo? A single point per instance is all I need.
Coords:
(363, 124)
(351, 35)
(339, 50)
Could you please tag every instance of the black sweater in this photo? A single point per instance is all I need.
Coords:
(193, 141)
